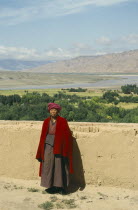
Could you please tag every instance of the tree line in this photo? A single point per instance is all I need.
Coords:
(128, 89)
(33, 106)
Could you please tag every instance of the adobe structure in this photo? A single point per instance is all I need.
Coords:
(103, 153)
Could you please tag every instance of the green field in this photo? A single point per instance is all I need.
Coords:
(51, 92)
(89, 92)
(124, 105)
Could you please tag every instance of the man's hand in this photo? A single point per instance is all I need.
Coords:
(39, 159)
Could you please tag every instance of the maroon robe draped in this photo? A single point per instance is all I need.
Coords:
(63, 142)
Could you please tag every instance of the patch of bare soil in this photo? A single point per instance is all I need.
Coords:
(29, 195)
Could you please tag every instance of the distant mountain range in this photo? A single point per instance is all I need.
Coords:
(13, 64)
(125, 62)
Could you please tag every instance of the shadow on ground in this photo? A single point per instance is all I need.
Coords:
(77, 179)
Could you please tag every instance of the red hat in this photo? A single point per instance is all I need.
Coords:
(54, 106)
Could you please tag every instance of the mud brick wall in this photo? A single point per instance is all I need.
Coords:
(104, 153)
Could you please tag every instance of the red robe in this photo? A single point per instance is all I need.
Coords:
(63, 142)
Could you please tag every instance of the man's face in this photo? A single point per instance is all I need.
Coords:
(53, 112)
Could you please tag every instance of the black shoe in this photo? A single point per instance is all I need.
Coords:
(51, 190)
(62, 191)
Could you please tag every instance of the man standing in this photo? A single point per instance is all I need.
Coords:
(55, 152)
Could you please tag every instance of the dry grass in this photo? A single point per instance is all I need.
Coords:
(123, 105)
(47, 205)
(33, 190)
(51, 92)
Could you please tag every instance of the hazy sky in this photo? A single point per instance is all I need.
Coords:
(60, 29)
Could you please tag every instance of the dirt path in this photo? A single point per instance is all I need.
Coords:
(15, 194)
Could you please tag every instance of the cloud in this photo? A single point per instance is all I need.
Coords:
(104, 40)
(109, 2)
(32, 54)
(102, 45)
(18, 53)
(80, 46)
(130, 39)
(59, 53)
(38, 9)
(127, 40)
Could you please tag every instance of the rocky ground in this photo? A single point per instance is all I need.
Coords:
(29, 195)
